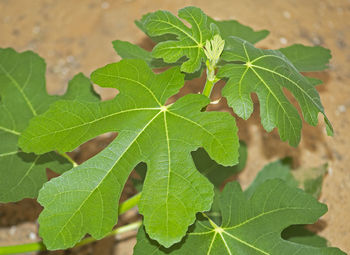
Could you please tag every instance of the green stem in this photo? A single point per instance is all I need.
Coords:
(117, 231)
(22, 248)
(208, 88)
(39, 246)
(211, 79)
(130, 203)
(75, 164)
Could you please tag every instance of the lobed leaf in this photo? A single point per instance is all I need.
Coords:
(307, 58)
(230, 28)
(128, 50)
(190, 41)
(148, 131)
(308, 179)
(250, 226)
(266, 73)
(281, 169)
(23, 96)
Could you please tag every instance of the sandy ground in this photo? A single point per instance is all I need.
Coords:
(75, 36)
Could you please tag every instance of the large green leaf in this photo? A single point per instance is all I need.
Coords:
(22, 96)
(266, 73)
(189, 41)
(310, 179)
(234, 28)
(307, 58)
(148, 131)
(251, 226)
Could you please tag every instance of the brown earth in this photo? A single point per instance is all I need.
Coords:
(75, 36)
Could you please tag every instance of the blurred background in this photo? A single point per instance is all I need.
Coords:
(76, 36)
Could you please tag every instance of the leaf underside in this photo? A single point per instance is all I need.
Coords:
(266, 73)
(23, 96)
(148, 131)
(251, 226)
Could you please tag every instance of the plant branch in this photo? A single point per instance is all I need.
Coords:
(128, 204)
(65, 155)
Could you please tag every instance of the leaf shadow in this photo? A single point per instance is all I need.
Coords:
(306, 234)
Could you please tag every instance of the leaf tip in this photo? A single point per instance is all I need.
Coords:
(329, 127)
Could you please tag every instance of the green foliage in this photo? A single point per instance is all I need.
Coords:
(309, 179)
(250, 226)
(215, 172)
(162, 136)
(230, 28)
(227, 28)
(307, 58)
(299, 234)
(275, 170)
(266, 72)
(182, 153)
(131, 51)
(23, 96)
(189, 42)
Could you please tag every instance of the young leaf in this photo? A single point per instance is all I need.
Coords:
(148, 131)
(22, 92)
(307, 58)
(251, 226)
(266, 72)
(190, 41)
